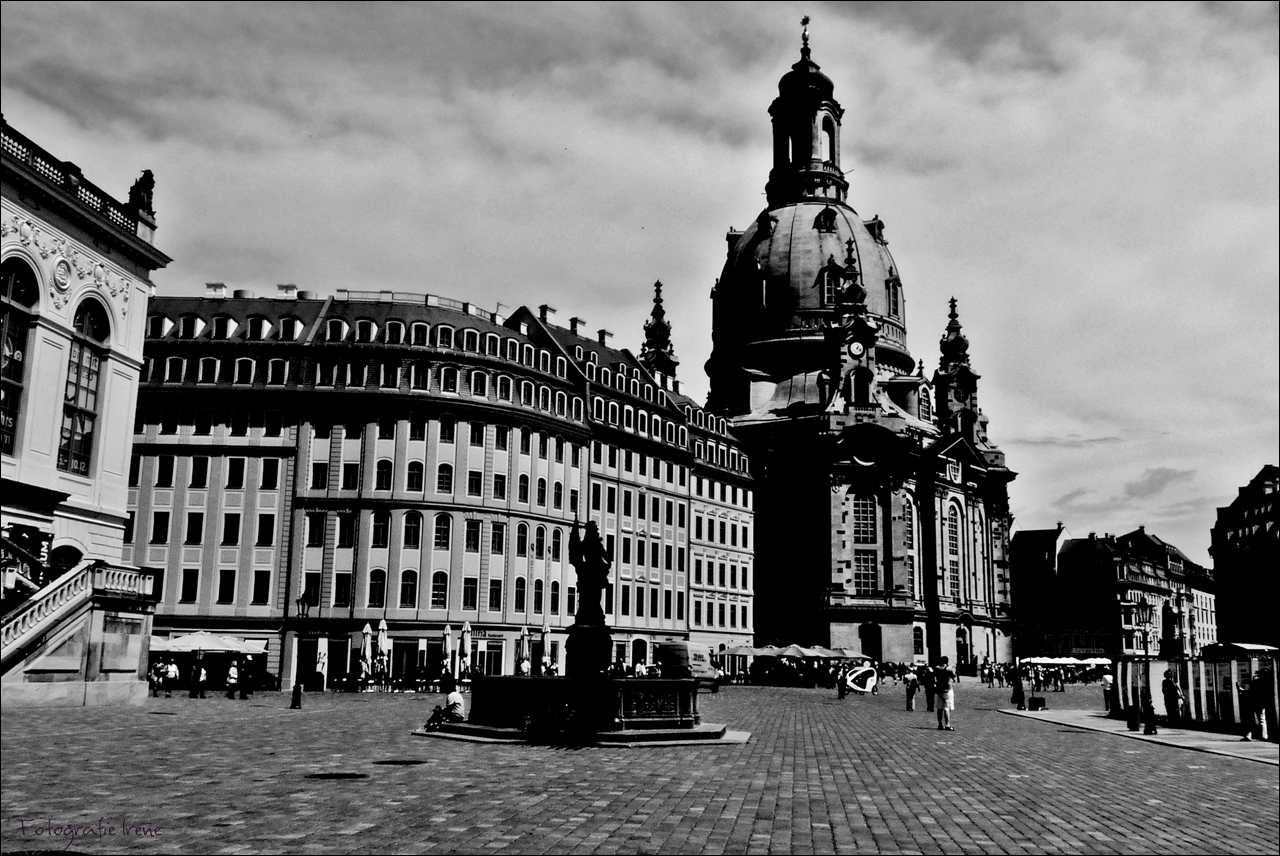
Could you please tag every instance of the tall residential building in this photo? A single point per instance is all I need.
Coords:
(77, 269)
(410, 458)
(1246, 554)
(882, 512)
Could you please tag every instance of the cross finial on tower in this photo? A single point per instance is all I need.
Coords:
(804, 36)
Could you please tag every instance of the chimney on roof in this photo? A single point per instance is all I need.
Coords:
(1093, 536)
(287, 291)
(546, 314)
(1142, 527)
(1059, 525)
(242, 294)
(574, 323)
(215, 289)
(603, 335)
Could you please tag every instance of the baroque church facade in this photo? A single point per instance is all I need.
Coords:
(882, 519)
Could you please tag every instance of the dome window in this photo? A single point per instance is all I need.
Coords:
(826, 220)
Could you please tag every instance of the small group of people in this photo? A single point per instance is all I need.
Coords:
(166, 676)
(939, 685)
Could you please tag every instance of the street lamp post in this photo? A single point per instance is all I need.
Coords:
(1144, 613)
(303, 612)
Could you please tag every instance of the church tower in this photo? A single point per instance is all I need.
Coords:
(658, 354)
(882, 508)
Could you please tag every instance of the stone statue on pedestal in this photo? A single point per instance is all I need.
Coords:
(589, 646)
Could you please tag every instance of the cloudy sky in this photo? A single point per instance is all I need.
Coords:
(1096, 184)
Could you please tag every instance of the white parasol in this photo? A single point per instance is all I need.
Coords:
(546, 646)
(448, 649)
(366, 651)
(384, 647)
(464, 653)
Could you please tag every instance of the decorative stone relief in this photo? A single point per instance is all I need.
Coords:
(68, 258)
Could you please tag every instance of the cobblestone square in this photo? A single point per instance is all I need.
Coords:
(818, 776)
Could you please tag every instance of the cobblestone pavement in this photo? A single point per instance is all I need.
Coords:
(818, 776)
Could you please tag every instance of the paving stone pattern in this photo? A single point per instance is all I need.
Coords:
(819, 776)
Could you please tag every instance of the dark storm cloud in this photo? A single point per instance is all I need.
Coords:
(1155, 481)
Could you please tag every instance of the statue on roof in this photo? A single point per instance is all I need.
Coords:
(142, 191)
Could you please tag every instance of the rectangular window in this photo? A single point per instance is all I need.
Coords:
(626, 550)
(667, 554)
(477, 433)
(680, 560)
(319, 476)
(473, 536)
(501, 438)
(190, 585)
(128, 528)
(499, 486)
(475, 483)
(953, 577)
(261, 587)
(722, 579)
(195, 528)
(135, 469)
(697, 571)
(653, 602)
(595, 497)
(653, 554)
(199, 476)
(666, 604)
(346, 530)
(679, 606)
(864, 520)
(723, 533)
(573, 500)
(311, 587)
(611, 500)
(235, 473)
(671, 517)
(164, 471)
(624, 607)
(495, 595)
(266, 530)
(697, 612)
(470, 593)
(239, 423)
(626, 503)
(864, 572)
(342, 589)
(159, 527)
(608, 599)
(497, 538)
(231, 530)
(273, 424)
(721, 610)
(269, 475)
(227, 585)
(350, 476)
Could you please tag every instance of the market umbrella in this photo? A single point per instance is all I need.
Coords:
(796, 651)
(159, 644)
(768, 651)
(522, 647)
(742, 651)
(203, 641)
(824, 653)
(366, 650)
(546, 646)
(850, 654)
(464, 654)
(448, 649)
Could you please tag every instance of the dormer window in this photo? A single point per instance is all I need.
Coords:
(593, 358)
(470, 340)
(635, 387)
(335, 330)
(561, 367)
(444, 337)
(544, 361)
(224, 327)
(491, 345)
(648, 392)
(259, 328)
(605, 376)
(190, 326)
(513, 350)
(419, 334)
(290, 329)
(826, 220)
(158, 326)
(366, 331)
(642, 422)
(577, 352)
(394, 333)
(591, 371)
(528, 355)
(621, 381)
(892, 289)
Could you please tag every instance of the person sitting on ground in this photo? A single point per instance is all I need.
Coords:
(454, 709)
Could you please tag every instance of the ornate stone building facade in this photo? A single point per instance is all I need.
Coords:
(882, 515)
(76, 275)
(413, 459)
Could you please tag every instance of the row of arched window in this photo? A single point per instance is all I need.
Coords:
(640, 422)
(88, 348)
(439, 594)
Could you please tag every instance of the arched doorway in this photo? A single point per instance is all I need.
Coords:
(61, 560)
(869, 638)
(639, 652)
(964, 651)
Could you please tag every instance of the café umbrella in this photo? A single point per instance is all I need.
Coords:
(448, 649)
(366, 650)
(464, 649)
(384, 646)
(546, 645)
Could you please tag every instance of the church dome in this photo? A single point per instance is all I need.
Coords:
(784, 264)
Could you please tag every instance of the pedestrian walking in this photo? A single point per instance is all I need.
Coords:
(1253, 708)
(1019, 697)
(170, 678)
(842, 689)
(912, 684)
(944, 680)
(926, 680)
(233, 678)
(246, 678)
(1108, 681)
(1172, 698)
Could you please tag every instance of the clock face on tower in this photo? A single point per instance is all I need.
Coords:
(856, 349)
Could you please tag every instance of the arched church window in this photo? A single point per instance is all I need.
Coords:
(20, 294)
(84, 367)
(828, 141)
